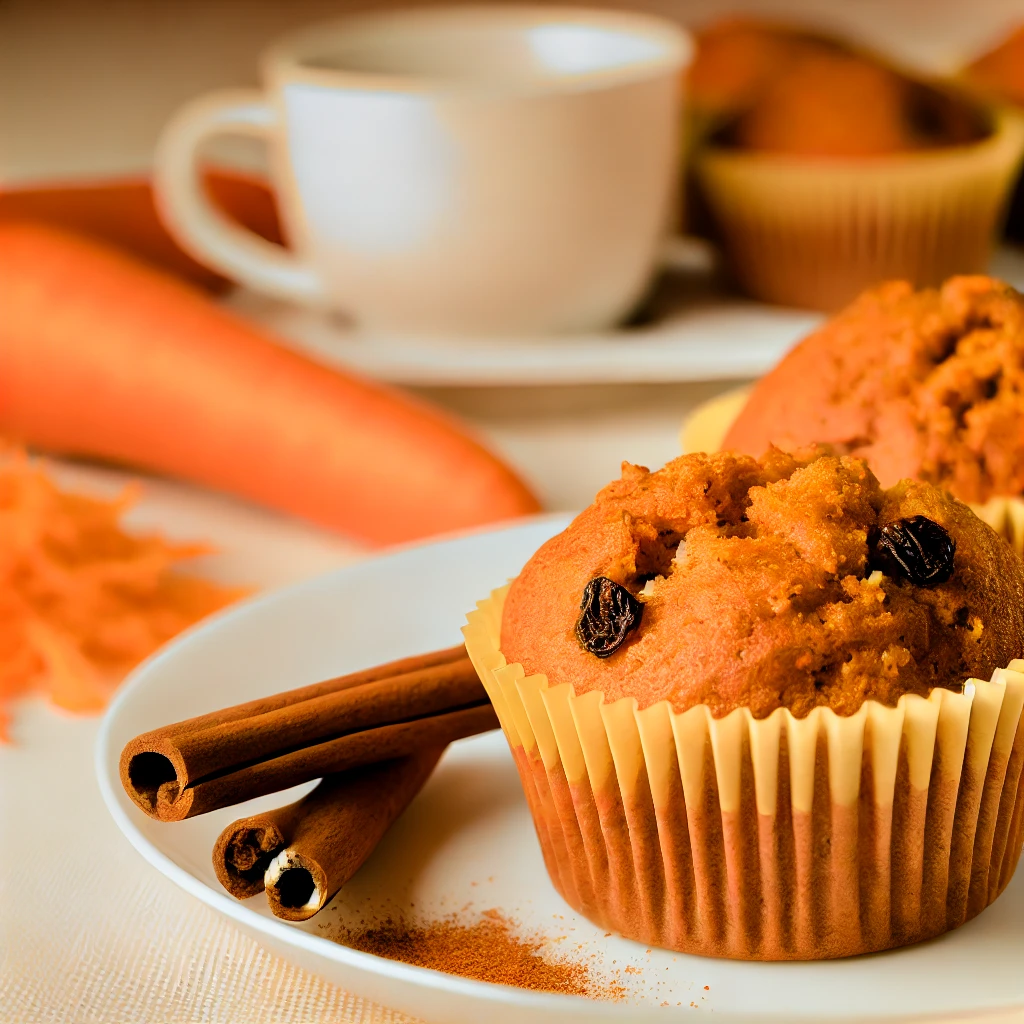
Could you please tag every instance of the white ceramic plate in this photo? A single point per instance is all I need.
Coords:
(467, 840)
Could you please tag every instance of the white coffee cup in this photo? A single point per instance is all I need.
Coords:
(473, 170)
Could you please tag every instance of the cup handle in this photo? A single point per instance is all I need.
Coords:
(197, 224)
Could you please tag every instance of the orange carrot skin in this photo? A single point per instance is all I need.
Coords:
(102, 356)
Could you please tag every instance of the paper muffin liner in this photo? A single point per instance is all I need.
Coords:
(815, 232)
(768, 839)
(706, 427)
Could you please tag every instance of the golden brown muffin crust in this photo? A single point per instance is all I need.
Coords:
(926, 384)
(844, 105)
(771, 600)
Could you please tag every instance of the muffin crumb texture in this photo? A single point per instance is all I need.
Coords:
(763, 584)
(926, 384)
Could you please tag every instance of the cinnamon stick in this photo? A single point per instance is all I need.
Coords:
(326, 836)
(244, 849)
(270, 744)
(337, 831)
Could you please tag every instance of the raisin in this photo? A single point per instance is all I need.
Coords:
(918, 549)
(608, 614)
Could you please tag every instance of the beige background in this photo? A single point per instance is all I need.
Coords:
(85, 86)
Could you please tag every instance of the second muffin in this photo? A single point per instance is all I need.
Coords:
(924, 384)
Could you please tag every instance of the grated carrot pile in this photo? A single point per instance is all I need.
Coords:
(81, 600)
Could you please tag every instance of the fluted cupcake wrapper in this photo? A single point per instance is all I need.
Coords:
(772, 839)
(815, 232)
(706, 427)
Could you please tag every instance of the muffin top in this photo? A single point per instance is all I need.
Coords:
(788, 89)
(1001, 70)
(737, 56)
(926, 384)
(835, 104)
(795, 581)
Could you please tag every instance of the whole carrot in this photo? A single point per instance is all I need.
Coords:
(102, 356)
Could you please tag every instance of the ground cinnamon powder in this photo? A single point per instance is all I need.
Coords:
(491, 949)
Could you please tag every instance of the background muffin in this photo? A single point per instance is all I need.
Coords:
(736, 695)
(737, 57)
(842, 171)
(926, 384)
(841, 105)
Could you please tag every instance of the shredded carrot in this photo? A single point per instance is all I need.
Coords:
(81, 599)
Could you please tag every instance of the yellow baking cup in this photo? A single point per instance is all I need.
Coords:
(815, 232)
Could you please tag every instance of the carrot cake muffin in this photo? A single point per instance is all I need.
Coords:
(766, 709)
(729, 582)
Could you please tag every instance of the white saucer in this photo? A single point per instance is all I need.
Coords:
(467, 839)
(707, 339)
(694, 334)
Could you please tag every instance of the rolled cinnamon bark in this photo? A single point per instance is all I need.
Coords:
(244, 849)
(336, 828)
(267, 745)
(333, 828)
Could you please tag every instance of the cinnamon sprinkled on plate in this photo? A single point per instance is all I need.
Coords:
(491, 949)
